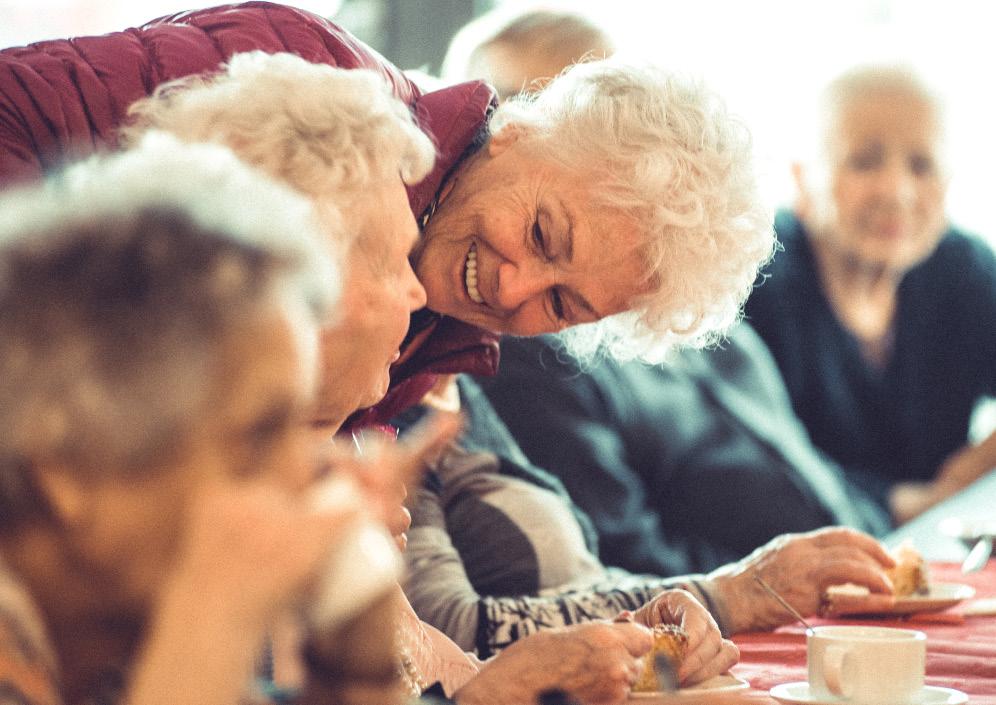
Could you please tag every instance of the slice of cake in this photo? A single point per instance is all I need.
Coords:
(910, 574)
(670, 641)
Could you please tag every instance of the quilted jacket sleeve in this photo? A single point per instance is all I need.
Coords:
(63, 99)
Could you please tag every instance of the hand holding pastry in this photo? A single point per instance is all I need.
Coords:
(800, 568)
(708, 654)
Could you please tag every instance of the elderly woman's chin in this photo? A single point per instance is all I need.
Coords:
(896, 252)
(376, 390)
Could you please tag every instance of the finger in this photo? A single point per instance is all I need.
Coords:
(399, 520)
(669, 607)
(853, 571)
(838, 604)
(421, 444)
(635, 638)
(700, 655)
(432, 433)
(859, 540)
(724, 659)
(704, 639)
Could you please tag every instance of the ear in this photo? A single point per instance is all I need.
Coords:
(506, 137)
(64, 492)
(803, 202)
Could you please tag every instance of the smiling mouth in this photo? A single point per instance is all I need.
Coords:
(470, 275)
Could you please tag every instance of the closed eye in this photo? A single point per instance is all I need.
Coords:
(557, 305)
(540, 239)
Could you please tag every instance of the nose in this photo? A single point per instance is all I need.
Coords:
(415, 292)
(897, 183)
(520, 282)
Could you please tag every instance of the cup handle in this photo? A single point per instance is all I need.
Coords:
(837, 669)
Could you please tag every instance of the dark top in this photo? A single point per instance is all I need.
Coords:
(681, 468)
(899, 422)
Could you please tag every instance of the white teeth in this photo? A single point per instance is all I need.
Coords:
(470, 275)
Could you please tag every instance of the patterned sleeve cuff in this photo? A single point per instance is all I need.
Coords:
(704, 591)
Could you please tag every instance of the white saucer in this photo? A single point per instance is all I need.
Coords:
(724, 683)
(798, 693)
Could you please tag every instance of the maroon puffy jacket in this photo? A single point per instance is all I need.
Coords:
(63, 99)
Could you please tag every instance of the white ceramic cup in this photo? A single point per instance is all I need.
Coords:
(866, 665)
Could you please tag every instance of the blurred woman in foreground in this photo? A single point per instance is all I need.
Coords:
(159, 315)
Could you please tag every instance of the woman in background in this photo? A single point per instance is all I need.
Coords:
(880, 314)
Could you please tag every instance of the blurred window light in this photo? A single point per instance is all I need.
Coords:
(24, 22)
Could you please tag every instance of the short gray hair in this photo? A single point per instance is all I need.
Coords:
(873, 79)
(323, 130)
(661, 150)
(536, 32)
(120, 279)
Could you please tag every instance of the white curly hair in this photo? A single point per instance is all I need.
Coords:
(120, 279)
(662, 150)
(326, 131)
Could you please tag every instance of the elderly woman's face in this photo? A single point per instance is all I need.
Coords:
(884, 203)
(516, 245)
(257, 428)
(380, 293)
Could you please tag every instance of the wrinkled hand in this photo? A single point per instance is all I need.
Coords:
(800, 567)
(709, 654)
(595, 663)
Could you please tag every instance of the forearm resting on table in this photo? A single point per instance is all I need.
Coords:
(908, 500)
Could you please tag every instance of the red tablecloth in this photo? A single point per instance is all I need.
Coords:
(961, 652)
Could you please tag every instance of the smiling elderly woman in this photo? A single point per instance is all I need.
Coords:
(624, 193)
(618, 188)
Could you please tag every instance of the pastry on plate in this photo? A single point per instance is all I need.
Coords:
(670, 641)
(909, 577)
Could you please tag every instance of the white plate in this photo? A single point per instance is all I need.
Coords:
(939, 597)
(717, 684)
(798, 694)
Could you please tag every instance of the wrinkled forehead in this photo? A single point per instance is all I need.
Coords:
(886, 109)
